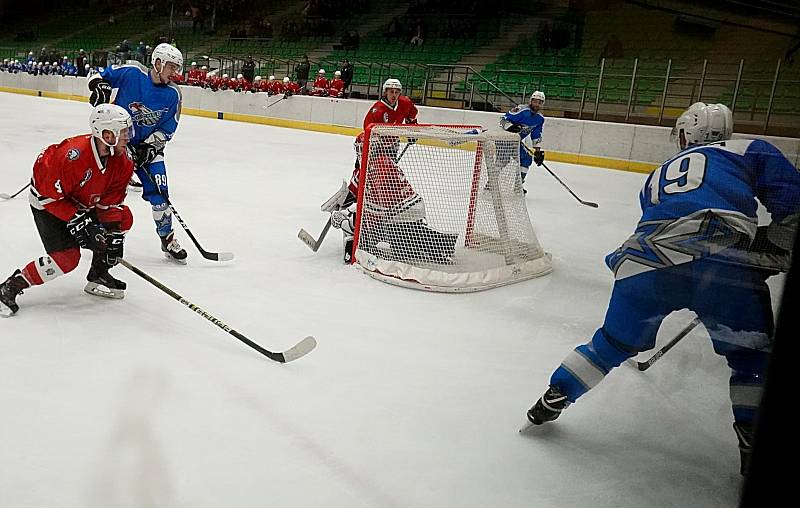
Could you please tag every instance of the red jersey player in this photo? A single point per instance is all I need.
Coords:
(336, 87)
(290, 87)
(393, 108)
(320, 88)
(77, 193)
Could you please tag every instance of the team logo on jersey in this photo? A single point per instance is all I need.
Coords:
(73, 154)
(86, 177)
(142, 115)
(385, 117)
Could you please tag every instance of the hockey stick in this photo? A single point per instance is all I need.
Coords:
(6, 196)
(581, 201)
(275, 102)
(310, 241)
(293, 353)
(643, 366)
(211, 256)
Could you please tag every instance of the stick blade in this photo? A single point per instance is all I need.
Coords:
(300, 349)
(225, 256)
(3, 195)
(307, 239)
(589, 203)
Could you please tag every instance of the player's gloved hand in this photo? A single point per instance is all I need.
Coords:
(342, 219)
(146, 152)
(287, 95)
(508, 125)
(538, 157)
(86, 231)
(100, 91)
(115, 242)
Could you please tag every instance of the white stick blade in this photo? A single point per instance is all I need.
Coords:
(225, 256)
(302, 348)
(307, 239)
(4, 195)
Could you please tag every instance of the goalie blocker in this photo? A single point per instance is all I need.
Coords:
(444, 217)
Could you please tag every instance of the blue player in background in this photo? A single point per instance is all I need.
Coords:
(698, 246)
(154, 103)
(528, 122)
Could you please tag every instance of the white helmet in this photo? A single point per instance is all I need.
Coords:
(204, 68)
(337, 73)
(392, 83)
(224, 76)
(110, 117)
(321, 71)
(272, 78)
(167, 53)
(703, 123)
(538, 95)
(286, 79)
(194, 64)
(239, 76)
(257, 78)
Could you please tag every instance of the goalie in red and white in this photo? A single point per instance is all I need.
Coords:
(395, 223)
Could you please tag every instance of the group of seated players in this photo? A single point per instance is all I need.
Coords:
(321, 87)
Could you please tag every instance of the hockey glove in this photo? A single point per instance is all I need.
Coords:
(146, 152)
(343, 219)
(100, 91)
(86, 231)
(509, 126)
(115, 242)
(538, 157)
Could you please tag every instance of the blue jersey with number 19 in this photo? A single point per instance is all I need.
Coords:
(703, 200)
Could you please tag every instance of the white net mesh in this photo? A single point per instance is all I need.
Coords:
(442, 208)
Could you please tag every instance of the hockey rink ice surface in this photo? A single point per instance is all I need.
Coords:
(410, 399)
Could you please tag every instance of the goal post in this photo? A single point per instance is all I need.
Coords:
(441, 208)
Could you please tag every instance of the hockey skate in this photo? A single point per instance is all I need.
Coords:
(101, 283)
(9, 290)
(744, 432)
(172, 249)
(547, 408)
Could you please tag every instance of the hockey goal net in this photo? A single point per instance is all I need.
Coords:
(441, 208)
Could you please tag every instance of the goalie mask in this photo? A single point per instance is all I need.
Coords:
(701, 124)
(114, 119)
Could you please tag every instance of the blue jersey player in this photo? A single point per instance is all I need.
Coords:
(528, 122)
(698, 246)
(154, 103)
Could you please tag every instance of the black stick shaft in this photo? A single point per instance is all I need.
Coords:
(669, 345)
(213, 256)
(6, 196)
(278, 357)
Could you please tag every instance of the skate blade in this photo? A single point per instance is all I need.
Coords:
(95, 289)
(132, 188)
(526, 427)
(179, 261)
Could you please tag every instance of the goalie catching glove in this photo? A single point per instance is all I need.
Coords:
(100, 90)
(87, 233)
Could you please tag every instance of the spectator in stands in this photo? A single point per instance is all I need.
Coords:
(613, 48)
(301, 71)
(420, 33)
(394, 30)
(347, 74)
(545, 36)
(197, 18)
(249, 68)
(142, 51)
